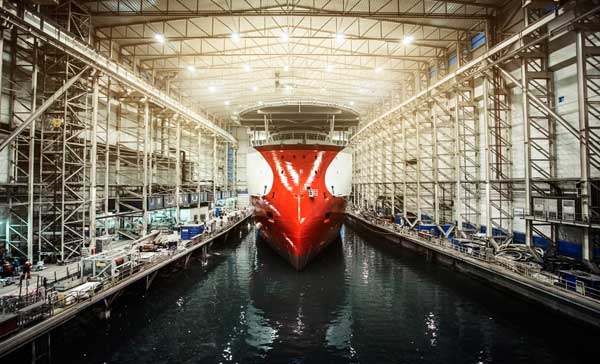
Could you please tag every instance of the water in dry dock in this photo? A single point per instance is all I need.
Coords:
(359, 303)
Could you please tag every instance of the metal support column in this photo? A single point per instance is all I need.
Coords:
(145, 168)
(177, 168)
(214, 169)
(586, 128)
(93, 162)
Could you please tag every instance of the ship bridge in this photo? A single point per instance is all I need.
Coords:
(297, 121)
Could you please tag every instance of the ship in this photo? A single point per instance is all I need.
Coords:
(299, 194)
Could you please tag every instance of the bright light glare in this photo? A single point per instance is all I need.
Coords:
(286, 68)
(227, 102)
(159, 38)
(378, 69)
(408, 39)
(284, 37)
(260, 103)
(247, 68)
(191, 69)
(340, 37)
(212, 89)
(329, 68)
(235, 36)
(254, 88)
(351, 103)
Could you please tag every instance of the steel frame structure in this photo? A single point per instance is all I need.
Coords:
(93, 155)
(467, 108)
(436, 141)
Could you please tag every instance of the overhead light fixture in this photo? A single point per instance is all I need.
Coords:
(284, 37)
(254, 88)
(261, 103)
(159, 38)
(212, 89)
(235, 36)
(227, 102)
(247, 67)
(329, 68)
(408, 39)
(351, 103)
(378, 69)
(323, 89)
(340, 37)
(191, 68)
(286, 68)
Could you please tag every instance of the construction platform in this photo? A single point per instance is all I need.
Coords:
(55, 310)
(530, 284)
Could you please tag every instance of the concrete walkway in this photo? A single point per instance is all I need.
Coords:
(49, 273)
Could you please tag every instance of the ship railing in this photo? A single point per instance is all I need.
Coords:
(525, 269)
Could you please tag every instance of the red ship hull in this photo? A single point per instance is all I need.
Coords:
(299, 216)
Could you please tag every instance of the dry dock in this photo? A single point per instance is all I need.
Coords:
(530, 284)
(55, 312)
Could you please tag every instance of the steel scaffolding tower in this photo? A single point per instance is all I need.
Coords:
(587, 44)
(23, 96)
(539, 127)
(443, 125)
(426, 163)
(466, 136)
(498, 157)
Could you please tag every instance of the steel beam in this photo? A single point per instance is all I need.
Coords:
(56, 36)
(40, 110)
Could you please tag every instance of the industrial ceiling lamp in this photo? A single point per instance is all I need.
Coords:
(285, 37)
(160, 38)
(408, 39)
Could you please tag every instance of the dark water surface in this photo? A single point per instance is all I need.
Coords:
(358, 303)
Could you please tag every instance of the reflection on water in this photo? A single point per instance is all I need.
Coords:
(357, 303)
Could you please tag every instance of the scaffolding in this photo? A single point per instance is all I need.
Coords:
(456, 134)
(102, 146)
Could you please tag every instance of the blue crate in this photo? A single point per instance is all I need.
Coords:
(189, 231)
